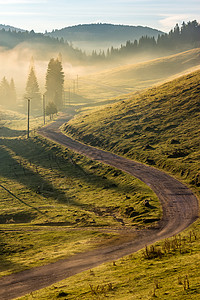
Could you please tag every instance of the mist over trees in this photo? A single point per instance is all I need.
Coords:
(12, 38)
(178, 39)
(51, 109)
(8, 95)
(41, 44)
(55, 82)
(182, 38)
(33, 92)
(102, 35)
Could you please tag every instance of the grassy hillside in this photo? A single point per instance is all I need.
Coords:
(159, 126)
(168, 270)
(13, 124)
(54, 203)
(137, 76)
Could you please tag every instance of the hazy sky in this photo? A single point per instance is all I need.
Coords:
(41, 15)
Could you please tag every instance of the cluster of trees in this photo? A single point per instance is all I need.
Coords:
(185, 37)
(54, 88)
(33, 91)
(55, 82)
(103, 32)
(53, 95)
(8, 93)
(9, 39)
(180, 38)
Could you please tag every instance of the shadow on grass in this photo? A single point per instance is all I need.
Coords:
(16, 170)
(48, 156)
(5, 251)
(7, 132)
(64, 166)
(20, 200)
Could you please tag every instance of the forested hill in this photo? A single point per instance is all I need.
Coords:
(104, 32)
(8, 27)
(104, 37)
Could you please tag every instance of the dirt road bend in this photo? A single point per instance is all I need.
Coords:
(179, 204)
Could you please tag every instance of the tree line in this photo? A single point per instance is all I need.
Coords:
(180, 38)
(54, 88)
(9, 39)
(53, 95)
(8, 95)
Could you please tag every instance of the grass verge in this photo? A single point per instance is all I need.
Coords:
(54, 203)
(167, 270)
(158, 127)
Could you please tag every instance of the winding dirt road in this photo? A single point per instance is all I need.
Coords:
(180, 209)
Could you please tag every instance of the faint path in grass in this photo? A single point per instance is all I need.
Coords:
(179, 204)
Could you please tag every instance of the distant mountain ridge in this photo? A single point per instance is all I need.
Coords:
(8, 27)
(88, 36)
(104, 35)
(104, 32)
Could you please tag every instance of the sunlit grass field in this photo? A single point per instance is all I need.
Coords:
(168, 270)
(159, 126)
(14, 124)
(60, 193)
(135, 77)
(55, 203)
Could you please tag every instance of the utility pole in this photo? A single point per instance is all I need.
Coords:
(44, 110)
(28, 117)
(77, 82)
(74, 86)
(69, 95)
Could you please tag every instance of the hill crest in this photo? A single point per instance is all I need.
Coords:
(102, 34)
(159, 126)
(8, 27)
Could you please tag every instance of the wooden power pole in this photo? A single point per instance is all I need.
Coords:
(28, 116)
(44, 110)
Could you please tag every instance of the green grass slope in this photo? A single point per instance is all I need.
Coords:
(135, 77)
(168, 270)
(54, 203)
(159, 126)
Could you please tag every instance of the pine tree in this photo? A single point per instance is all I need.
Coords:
(8, 95)
(4, 92)
(55, 82)
(32, 91)
(13, 95)
(51, 109)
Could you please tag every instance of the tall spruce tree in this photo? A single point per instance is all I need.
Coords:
(55, 82)
(13, 95)
(4, 92)
(8, 95)
(33, 91)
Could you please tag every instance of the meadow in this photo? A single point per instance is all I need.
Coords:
(167, 270)
(133, 77)
(159, 126)
(55, 203)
